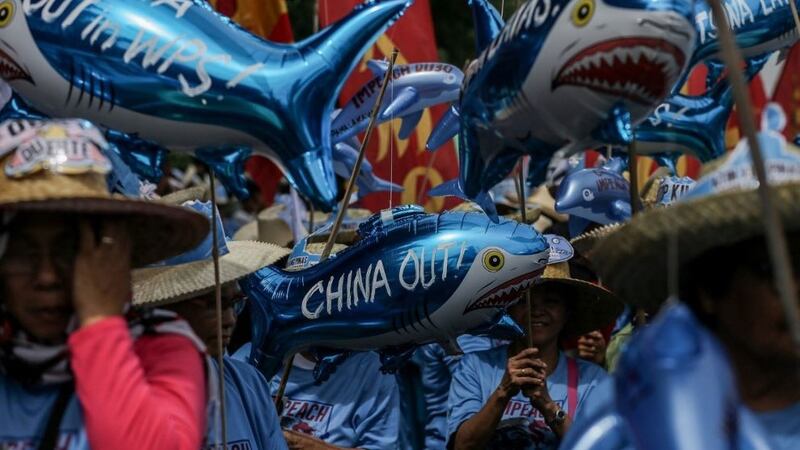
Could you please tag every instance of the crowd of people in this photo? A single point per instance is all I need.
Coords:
(108, 330)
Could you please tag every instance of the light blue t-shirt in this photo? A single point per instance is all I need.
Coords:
(522, 426)
(782, 427)
(357, 407)
(252, 420)
(24, 413)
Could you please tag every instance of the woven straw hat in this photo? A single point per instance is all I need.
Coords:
(269, 227)
(586, 242)
(590, 306)
(632, 261)
(176, 282)
(158, 231)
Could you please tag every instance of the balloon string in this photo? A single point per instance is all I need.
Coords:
(503, 9)
(776, 239)
(391, 149)
(218, 301)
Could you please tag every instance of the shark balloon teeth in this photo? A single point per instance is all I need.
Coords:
(10, 70)
(640, 69)
(505, 294)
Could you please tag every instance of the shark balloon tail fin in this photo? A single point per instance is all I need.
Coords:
(374, 183)
(377, 67)
(488, 23)
(409, 123)
(447, 128)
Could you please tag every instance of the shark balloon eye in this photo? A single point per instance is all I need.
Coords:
(583, 12)
(6, 12)
(493, 260)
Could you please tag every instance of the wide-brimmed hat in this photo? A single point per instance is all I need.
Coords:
(270, 226)
(723, 208)
(70, 178)
(192, 274)
(591, 306)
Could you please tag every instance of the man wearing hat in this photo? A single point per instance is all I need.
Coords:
(185, 284)
(76, 371)
(517, 397)
(716, 235)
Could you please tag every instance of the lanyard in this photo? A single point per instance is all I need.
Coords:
(572, 387)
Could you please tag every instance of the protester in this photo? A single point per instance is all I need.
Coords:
(716, 237)
(185, 284)
(75, 370)
(517, 397)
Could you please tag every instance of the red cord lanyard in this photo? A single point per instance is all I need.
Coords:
(572, 387)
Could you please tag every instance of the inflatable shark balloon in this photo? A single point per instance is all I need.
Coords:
(410, 278)
(680, 396)
(693, 124)
(412, 88)
(345, 155)
(583, 73)
(177, 73)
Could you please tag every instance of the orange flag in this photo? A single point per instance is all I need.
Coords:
(268, 19)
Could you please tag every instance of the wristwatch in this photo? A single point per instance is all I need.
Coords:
(558, 418)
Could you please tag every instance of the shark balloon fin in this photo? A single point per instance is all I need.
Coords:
(715, 70)
(503, 327)
(333, 54)
(409, 123)
(393, 359)
(327, 362)
(374, 183)
(400, 102)
(537, 171)
(378, 67)
(668, 160)
(487, 22)
(121, 179)
(604, 430)
(228, 165)
(616, 129)
(452, 188)
(447, 128)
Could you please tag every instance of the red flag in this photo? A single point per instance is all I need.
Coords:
(787, 93)
(268, 19)
(405, 162)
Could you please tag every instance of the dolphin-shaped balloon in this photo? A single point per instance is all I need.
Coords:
(413, 87)
(345, 155)
(177, 73)
(680, 396)
(600, 195)
(410, 278)
(583, 73)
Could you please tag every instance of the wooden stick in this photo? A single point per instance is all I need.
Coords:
(776, 239)
(287, 370)
(523, 212)
(218, 301)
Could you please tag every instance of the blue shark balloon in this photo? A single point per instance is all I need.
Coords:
(600, 195)
(412, 88)
(345, 155)
(692, 124)
(680, 396)
(759, 27)
(177, 73)
(567, 74)
(411, 278)
(488, 23)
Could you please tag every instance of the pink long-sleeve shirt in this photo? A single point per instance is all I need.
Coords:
(147, 394)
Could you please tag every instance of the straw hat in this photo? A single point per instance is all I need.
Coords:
(542, 197)
(586, 242)
(269, 227)
(76, 184)
(181, 280)
(590, 306)
(723, 208)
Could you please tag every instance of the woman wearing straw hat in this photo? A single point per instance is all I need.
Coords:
(75, 370)
(185, 284)
(517, 397)
(716, 236)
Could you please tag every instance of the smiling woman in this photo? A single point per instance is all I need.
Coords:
(511, 396)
